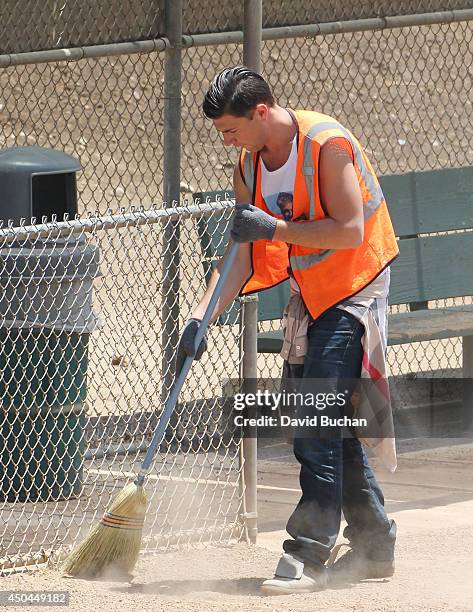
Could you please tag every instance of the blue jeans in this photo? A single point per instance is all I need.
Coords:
(335, 474)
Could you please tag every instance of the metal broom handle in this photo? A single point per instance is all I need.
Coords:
(172, 399)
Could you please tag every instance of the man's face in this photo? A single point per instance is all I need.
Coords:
(249, 132)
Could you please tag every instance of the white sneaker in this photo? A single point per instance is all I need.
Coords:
(291, 576)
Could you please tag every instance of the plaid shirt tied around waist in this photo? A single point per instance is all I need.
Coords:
(372, 401)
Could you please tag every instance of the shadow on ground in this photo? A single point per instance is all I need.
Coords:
(173, 588)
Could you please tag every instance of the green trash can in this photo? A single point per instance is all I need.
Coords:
(46, 317)
(43, 389)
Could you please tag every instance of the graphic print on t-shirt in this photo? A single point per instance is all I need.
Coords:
(278, 185)
(280, 204)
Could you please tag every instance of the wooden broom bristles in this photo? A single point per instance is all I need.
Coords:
(113, 545)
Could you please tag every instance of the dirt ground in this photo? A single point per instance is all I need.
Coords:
(430, 497)
(227, 579)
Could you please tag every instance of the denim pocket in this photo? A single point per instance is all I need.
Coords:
(334, 329)
(334, 346)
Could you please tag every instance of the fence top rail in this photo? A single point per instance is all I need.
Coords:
(94, 223)
(235, 37)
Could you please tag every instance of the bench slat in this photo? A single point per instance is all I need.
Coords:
(427, 202)
(404, 327)
(431, 268)
(434, 324)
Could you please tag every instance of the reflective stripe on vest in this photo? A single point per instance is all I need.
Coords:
(303, 262)
(308, 171)
(249, 171)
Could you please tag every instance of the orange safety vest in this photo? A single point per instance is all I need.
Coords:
(325, 276)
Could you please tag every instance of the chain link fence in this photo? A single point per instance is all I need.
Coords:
(88, 78)
(81, 355)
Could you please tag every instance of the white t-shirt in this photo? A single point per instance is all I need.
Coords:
(277, 188)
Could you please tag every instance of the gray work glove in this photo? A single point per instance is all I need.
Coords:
(186, 344)
(251, 223)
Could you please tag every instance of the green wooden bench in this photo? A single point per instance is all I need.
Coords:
(434, 263)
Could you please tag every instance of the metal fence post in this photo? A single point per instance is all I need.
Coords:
(467, 367)
(249, 442)
(171, 188)
(252, 31)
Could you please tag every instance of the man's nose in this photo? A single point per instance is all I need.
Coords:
(228, 139)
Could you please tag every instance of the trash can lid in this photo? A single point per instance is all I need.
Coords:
(36, 160)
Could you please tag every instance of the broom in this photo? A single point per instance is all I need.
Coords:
(113, 545)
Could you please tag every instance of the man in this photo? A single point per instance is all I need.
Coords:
(336, 251)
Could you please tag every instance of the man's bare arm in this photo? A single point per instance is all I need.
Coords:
(340, 191)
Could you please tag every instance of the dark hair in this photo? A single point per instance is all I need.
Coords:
(236, 91)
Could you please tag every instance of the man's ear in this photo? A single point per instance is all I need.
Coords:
(262, 110)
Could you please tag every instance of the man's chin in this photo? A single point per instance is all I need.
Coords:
(252, 148)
